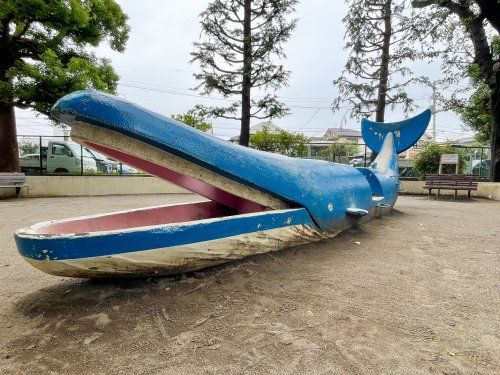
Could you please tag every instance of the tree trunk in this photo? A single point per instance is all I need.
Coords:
(384, 68)
(495, 129)
(9, 154)
(491, 11)
(247, 78)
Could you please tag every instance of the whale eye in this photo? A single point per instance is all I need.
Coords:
(330, 207)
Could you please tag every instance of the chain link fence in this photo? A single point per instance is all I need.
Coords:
(59, 155)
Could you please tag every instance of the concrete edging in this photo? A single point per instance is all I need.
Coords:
(60, 186)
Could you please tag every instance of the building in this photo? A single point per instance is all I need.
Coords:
(414, 150)
(332, 136)
(343, 135)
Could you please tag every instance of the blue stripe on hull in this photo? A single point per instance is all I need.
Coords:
(72, 246)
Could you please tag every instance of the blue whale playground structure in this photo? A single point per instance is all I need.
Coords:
(256, 201)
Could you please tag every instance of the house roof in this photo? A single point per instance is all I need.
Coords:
(259, 127)
(340, 132)
(266, 124)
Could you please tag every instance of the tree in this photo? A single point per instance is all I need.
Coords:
(474, 109)
(194, 118)
(242, 40)
(379, 39)
(28, 148)
(427, 161)
(340, 149)
(476, 113)
(474, 17)
(280, 142)
(45, 54)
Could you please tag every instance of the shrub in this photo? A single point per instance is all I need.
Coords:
(427, 162)
(280, 142)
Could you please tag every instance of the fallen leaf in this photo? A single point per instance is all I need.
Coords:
(92, 338)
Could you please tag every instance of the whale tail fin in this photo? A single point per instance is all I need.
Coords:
(390, 138)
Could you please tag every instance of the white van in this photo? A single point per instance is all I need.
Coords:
(59, 157)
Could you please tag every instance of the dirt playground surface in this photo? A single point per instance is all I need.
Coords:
(416, 292)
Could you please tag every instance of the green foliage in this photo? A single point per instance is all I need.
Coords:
(476, 113)
(239, 50)
(475, 110)
(194, 118)
(427, 161)
(28, 148)
(340, 149)
(46, 52)
(280, 142)
(380, 38)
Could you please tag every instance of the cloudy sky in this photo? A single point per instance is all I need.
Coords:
(155, 70)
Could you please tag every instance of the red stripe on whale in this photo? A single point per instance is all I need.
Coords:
(241, 205)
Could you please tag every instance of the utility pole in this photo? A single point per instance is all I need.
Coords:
(433, 85)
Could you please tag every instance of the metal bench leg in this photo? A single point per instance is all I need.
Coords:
(18, 191)
(439, 191)
(455, 194)
(468, 194)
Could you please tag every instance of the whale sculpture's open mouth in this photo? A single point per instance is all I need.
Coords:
(257, 201)
(223, 202)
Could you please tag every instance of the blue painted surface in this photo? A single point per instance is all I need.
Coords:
(406, 133)
(314, 184)
(330, 196)
(382, 175)
(95, 244)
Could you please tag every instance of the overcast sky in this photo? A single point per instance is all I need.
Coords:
(155, 70)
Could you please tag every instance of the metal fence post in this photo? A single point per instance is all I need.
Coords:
(81, 160)
(364, 159)
(481, 163)
(40, 151)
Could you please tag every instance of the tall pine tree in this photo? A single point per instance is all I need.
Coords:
(376, 74)
(241, 43)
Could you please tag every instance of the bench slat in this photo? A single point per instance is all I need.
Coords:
(451, 182)
(13, 186)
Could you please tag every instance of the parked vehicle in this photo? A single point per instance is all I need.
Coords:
(59, 157)
(483, 169)
(104, 164)
(360, 162)
(408, 172)
(126, 169)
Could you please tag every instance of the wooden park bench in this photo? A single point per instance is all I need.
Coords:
(451, 182)
(13, 180)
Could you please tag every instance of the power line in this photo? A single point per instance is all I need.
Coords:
(203, 96)
(193, 71)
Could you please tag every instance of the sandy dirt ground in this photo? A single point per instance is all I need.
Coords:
(416, 292)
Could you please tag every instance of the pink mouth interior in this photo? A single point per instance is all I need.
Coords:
(139, 218)
(222, 203)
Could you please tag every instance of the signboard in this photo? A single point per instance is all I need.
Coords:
(449, 159)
